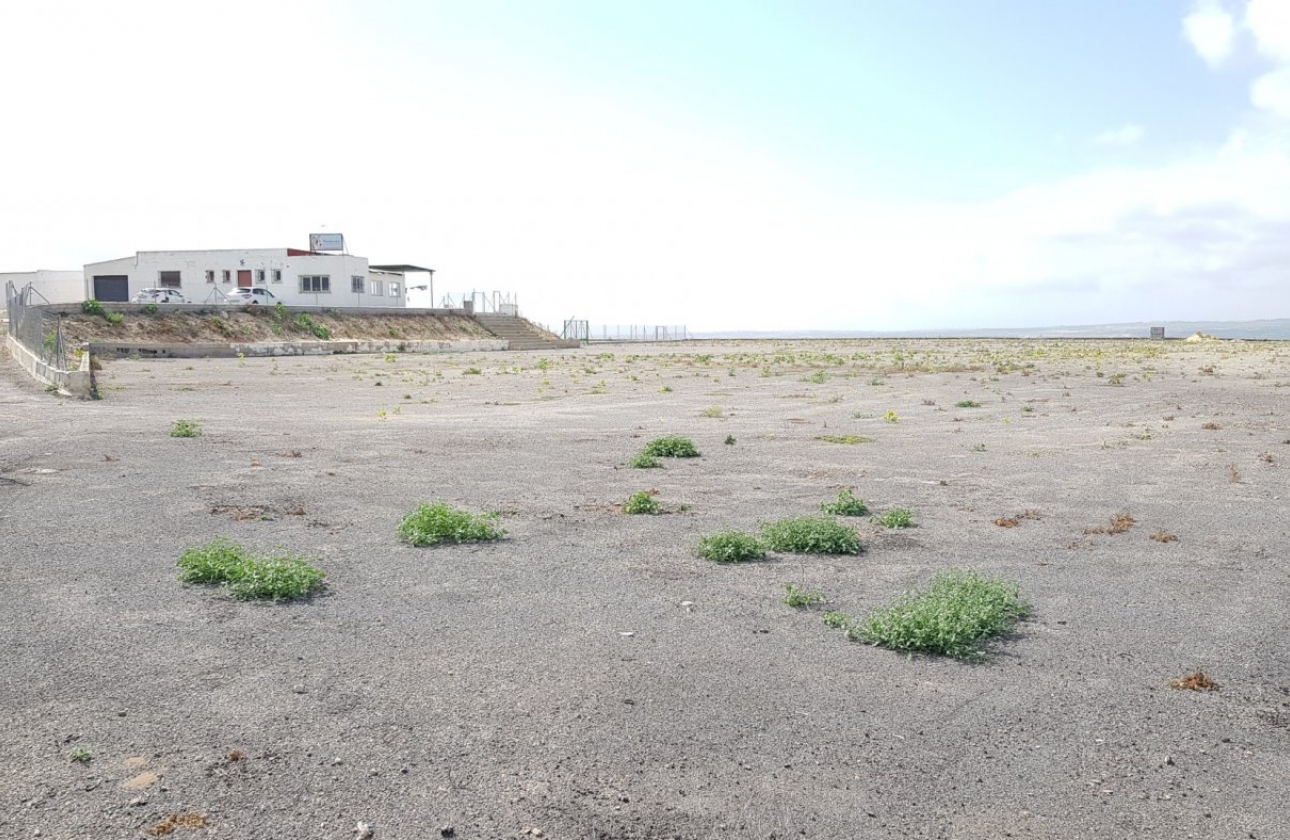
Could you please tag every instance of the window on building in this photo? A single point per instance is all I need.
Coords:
(356, 284)
(277, 275)
(168, 279)
(228, 276)
(315, 283)
(376, 287)
(394, 290)
(259, 277)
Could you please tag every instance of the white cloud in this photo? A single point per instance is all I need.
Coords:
(1211, 29)
(1128, 134)
(1271, 92)
(1269, 21)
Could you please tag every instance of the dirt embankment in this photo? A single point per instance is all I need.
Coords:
(266, 324)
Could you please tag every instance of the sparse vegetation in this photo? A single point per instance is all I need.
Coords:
(641, 502)
(954, 615)
(795, 597)
(895, 518)
(185, 429)
(643, 461)
(731, 547)
(438, 522)
(1194, 681)
(849, 440)
(810, 535)
(671, 447)
(1119, 523)
(846, 504)
(276, 577)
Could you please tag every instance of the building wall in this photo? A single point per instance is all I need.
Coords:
(195, 267)
(54, 286)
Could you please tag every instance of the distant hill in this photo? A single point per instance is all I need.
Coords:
(1278, 328)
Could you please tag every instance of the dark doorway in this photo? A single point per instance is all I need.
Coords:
(243, 278)
(112, 287)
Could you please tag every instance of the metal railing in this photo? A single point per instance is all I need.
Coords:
(575, 330)
(29, 326)
(497, 303)
(635, 332)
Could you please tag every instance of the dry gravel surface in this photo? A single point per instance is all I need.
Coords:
(589, 677)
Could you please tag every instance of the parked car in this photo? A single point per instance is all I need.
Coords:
(160, 296)
(251, 295)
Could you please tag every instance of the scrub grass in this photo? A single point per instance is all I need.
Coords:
(671, 447)
(731, 547)
(641, 502)
(273, 577)
(438, 522)
(846, 504)
(795, 597)
(810, 535)
(185, 429)
(895, 518)
(954, 616)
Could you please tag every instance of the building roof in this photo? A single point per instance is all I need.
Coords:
(401, 269)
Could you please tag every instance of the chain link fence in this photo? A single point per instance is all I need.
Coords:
(32, 329)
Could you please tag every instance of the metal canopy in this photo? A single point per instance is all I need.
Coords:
(401, 269)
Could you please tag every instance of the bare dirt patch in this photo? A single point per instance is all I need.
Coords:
(589, 676)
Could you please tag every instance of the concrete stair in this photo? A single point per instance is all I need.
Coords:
(522, 333)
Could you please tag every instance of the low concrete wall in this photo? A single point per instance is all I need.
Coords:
(216, 350)
(74, 383)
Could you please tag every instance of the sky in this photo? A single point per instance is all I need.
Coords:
(721, 164)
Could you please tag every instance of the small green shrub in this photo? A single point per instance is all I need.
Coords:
(92, 307)
(81, 755)
(836, 619)
(895, 518)
(846, 504)
(641, 502)
(275, 577)
(967, 404)
(643, 461)
(954, 616)
(810, 535)
(731, 547)
(795, 597)
(151, 309)
(304, 323)
(671, 447)
(435, 522)
(185, 429)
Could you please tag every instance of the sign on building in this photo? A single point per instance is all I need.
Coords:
(326, 242)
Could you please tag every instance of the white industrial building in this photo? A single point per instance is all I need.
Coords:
(295, 277)
(50, 286)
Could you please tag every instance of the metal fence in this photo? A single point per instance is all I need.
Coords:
(631, 332)
(28, 324)
(497, 303)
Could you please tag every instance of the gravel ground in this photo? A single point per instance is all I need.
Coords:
(588, 677)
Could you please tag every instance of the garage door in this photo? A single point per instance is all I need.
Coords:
(112, 287)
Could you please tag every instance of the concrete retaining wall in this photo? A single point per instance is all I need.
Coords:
(74, 383)
(216, 350)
